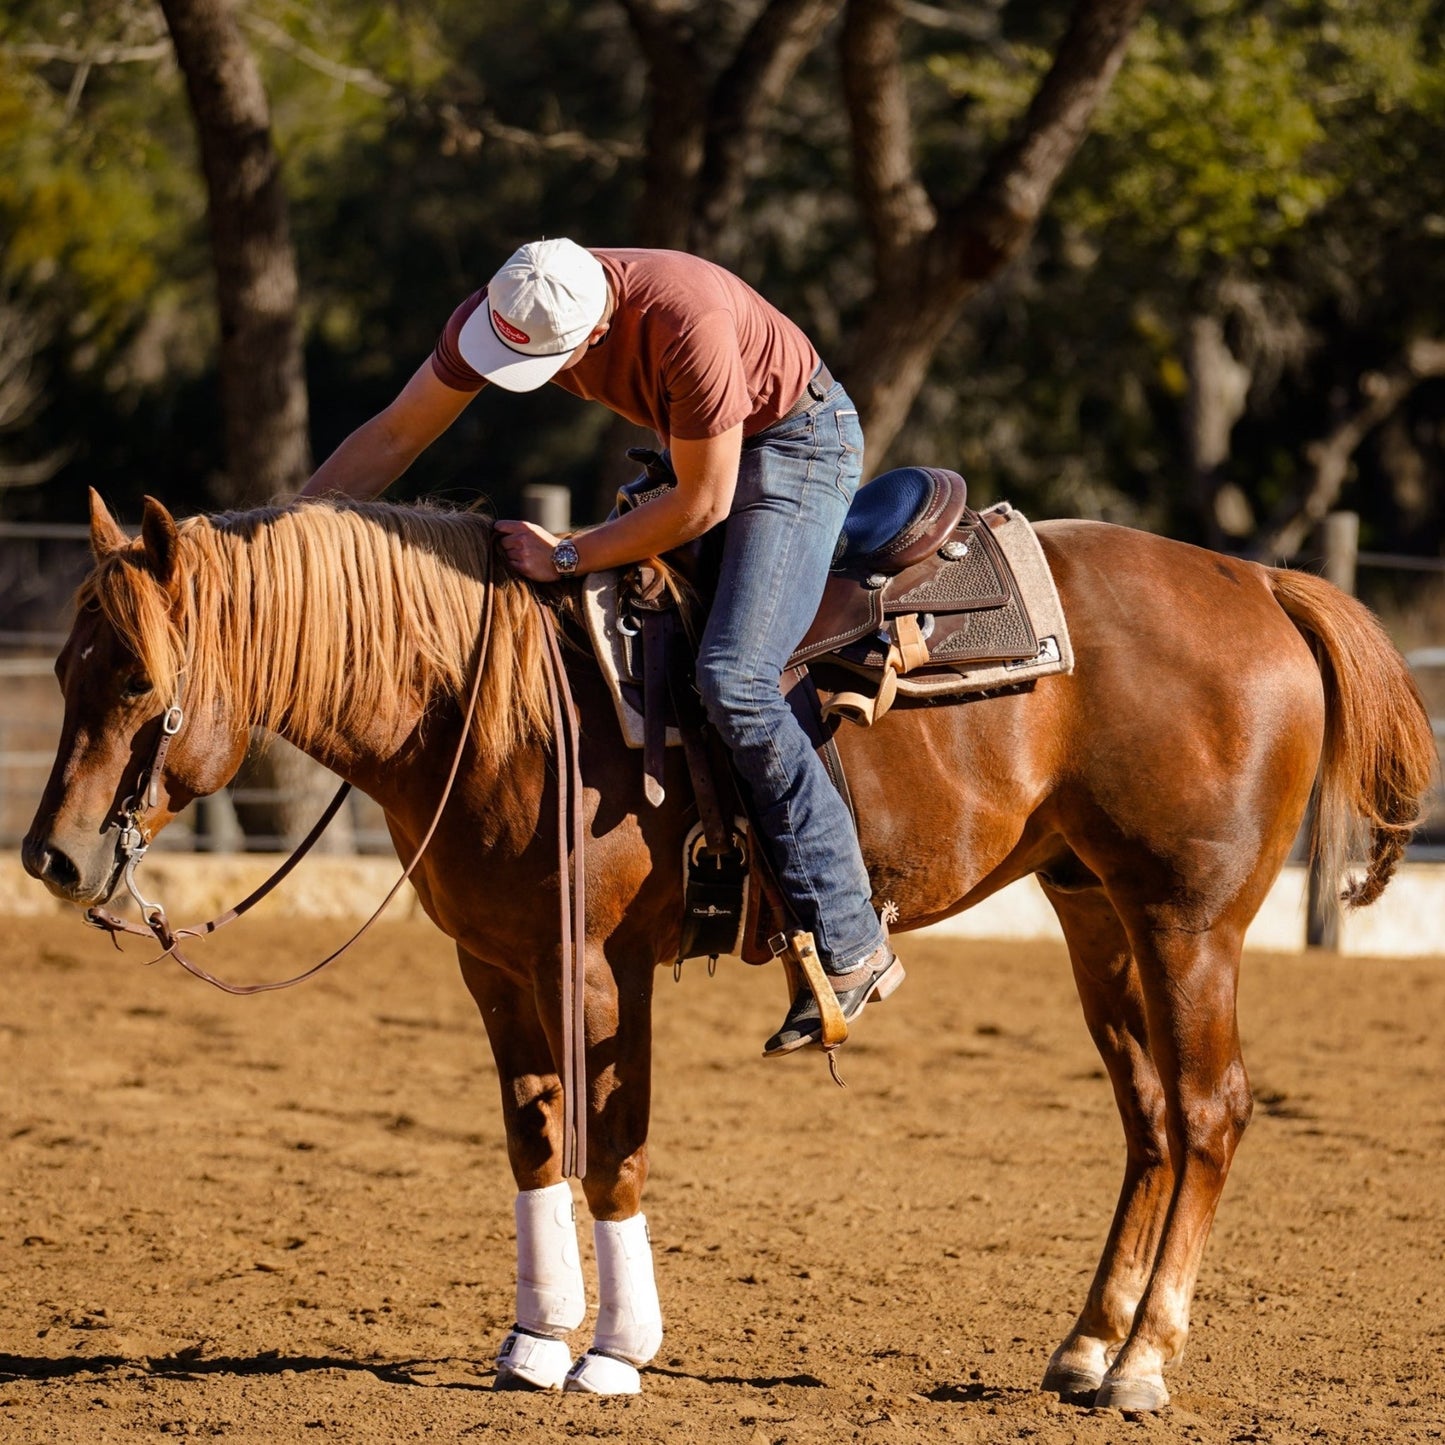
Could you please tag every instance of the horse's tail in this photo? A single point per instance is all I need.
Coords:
(1379, 750)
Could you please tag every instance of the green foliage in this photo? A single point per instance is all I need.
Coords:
(87, 210)
(1267, 161)
(1209, 148)
(1270, 162)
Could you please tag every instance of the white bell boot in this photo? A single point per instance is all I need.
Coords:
(551, 1298)
(595, 1374)
(533, 1361)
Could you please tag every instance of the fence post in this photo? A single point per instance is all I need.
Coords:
(218, 825)
(1340, 544)
(548, 505)
(1340, 547)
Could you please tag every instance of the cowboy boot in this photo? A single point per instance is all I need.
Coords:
(871, 981)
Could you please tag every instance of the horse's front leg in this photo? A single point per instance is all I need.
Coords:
(551, 1298)
(619, 1053)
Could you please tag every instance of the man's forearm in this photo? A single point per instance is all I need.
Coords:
(647, 531)
(380, 450)
(362, 467)
(707, 475)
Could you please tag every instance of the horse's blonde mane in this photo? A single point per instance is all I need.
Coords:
(330, 616)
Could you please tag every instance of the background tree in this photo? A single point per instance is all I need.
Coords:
(1174, 329)
(1222, 280)
(714, 75)
(929, 255)
(262, 377)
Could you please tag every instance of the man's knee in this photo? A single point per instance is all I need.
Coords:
(731, 697)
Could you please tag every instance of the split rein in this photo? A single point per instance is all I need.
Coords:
(571, 872)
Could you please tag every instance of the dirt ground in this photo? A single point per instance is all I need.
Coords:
(289, 1217)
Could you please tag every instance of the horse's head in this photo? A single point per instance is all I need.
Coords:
(123, 672)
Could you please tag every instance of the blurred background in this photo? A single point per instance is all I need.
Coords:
(1176, 265)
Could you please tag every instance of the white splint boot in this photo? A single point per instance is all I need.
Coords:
(629, 1320)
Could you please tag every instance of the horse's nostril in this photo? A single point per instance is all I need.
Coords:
(50, 865)
(62, 871)
(32, 855)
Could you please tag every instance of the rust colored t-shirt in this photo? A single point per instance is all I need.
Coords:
(691, 350)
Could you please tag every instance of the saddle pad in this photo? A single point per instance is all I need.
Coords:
(614, 656)
(1020, 544)
(1014, 535)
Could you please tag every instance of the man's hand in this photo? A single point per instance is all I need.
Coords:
(528, 548)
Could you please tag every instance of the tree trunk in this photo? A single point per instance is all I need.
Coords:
(1331, 457)
(262, 373)
(676, 121)
(928, 263)
(706, 119)
(705, 124)
(1218, 390)
(739, 106)
(263, 383)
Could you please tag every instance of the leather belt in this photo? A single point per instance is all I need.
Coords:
(819, 385)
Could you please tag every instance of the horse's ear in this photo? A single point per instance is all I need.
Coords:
(105, 532)
(158, 532)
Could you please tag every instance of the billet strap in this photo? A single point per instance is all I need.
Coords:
(910, 647)
(572, 895)
(654, 709)
(654, 608)
(159, 927)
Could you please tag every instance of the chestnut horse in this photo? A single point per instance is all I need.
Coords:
(1155, 792)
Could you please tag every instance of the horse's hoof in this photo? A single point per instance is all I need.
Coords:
(1074, 1386)
(596, 1374)
(532, 1362)
(1133, 1395)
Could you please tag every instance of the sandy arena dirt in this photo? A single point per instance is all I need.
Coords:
(288, 1218)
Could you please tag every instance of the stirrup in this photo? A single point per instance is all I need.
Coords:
(820, 1011)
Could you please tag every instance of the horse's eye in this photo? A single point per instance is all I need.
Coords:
(136, 686)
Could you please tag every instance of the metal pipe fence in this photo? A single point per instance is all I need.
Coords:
(41, 564)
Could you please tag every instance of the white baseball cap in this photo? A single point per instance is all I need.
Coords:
(539, 309)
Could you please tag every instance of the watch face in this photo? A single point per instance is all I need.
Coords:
(564, 557)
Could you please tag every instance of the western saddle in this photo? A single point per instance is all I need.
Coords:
(919, 585)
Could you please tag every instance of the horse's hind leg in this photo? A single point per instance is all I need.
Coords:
(1109, 988)
(1189, 981)
(551, 1299)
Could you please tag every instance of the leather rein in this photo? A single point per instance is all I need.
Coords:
(135, 842)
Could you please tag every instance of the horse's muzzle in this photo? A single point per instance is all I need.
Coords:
(83, 881)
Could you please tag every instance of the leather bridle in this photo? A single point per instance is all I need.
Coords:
(135, 839)
(571, 828)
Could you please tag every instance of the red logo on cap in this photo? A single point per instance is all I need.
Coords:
(509, 332)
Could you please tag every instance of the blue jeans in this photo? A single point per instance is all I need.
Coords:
(795, 484)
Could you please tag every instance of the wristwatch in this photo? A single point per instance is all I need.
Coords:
(564, 557)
